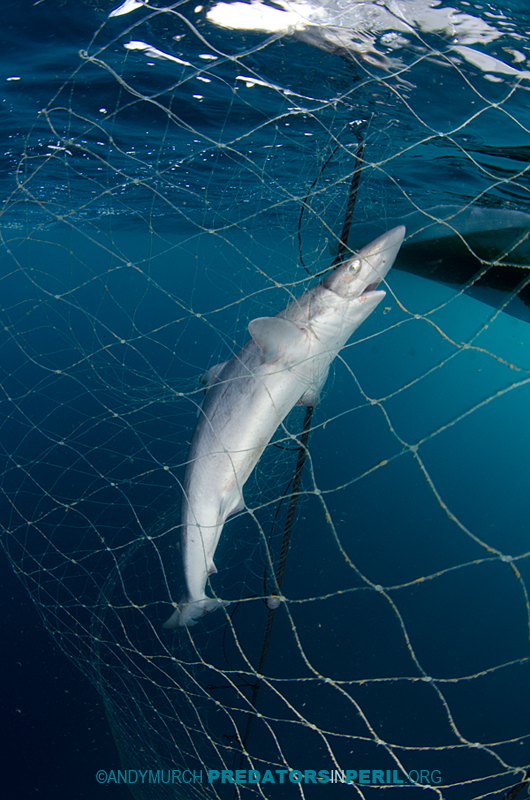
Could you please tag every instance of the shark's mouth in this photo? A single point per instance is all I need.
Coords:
(372, 287)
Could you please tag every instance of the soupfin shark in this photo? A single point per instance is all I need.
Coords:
(285, 362)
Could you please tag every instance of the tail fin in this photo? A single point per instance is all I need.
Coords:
(187, 613)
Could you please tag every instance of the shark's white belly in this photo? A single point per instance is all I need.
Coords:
(285, 362)
(240, 415)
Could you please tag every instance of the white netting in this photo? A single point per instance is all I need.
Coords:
(183, 180)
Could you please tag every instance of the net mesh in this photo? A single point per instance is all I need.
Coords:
(184, 179)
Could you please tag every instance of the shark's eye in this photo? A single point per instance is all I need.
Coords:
(354, 266)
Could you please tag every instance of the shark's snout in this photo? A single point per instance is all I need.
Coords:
(380, 254)
(365, 271)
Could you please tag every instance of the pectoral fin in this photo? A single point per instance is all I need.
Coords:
(211, 375)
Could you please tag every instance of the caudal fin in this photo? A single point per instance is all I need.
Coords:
(187, 613)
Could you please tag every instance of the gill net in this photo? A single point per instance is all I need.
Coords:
(185, 178)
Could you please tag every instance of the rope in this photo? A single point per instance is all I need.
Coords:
(516, 789)
(352, 197)
(302, 451)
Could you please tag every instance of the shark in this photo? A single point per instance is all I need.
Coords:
(284, 363)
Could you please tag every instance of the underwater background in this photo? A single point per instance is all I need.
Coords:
(171, 172)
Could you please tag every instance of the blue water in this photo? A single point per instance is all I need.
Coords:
(153, 204)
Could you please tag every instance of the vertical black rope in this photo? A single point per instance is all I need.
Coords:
(516, 789)
(352, 197)
(302, 451)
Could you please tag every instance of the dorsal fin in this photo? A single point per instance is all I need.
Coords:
(279, 340)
